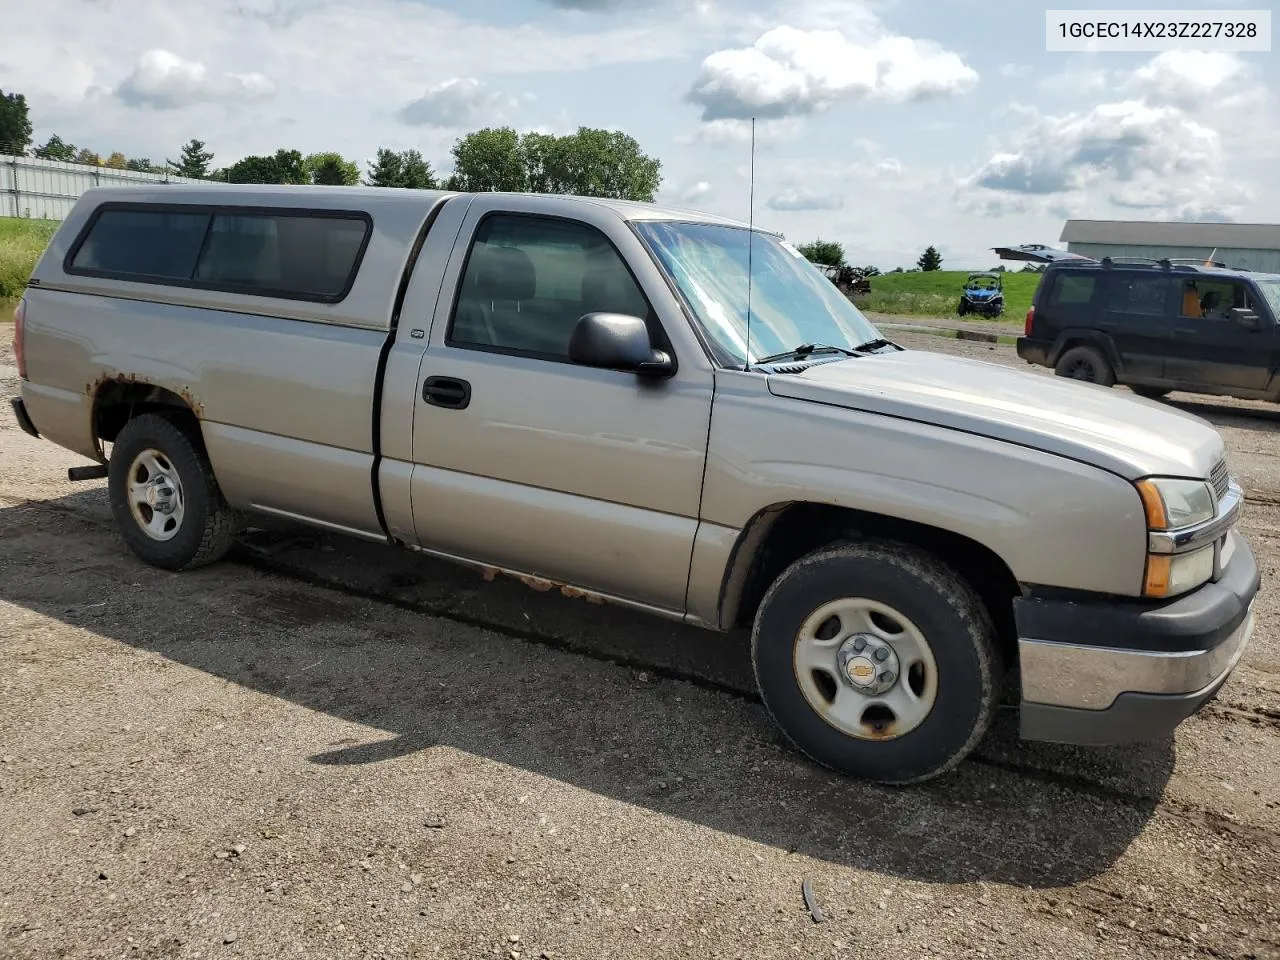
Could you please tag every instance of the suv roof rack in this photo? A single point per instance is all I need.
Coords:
(1166, 262)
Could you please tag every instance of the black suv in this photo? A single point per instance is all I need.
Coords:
(1157, 326)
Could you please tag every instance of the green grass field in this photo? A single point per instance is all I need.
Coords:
(937, 293)
(21, 243)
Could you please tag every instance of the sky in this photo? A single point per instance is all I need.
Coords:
(886, 125)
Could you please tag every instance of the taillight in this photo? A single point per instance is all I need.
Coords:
(19, 315)
(1031, 317)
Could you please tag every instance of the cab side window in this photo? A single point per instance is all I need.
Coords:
(1213, 300)
(528, 280)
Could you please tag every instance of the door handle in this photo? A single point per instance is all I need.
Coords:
(447, 392)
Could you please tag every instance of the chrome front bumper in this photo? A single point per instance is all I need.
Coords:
(1091, 678)
(1101, 672)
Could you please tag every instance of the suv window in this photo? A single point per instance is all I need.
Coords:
(528, 280)
(299, 255)
(1139, 294)
(1212, 299)
(1073, 289)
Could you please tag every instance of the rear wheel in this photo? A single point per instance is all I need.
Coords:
(1087, 364)
(1151, 393)
(877, 660)
(164, 497)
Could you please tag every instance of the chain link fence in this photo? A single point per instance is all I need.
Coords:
(48, 189)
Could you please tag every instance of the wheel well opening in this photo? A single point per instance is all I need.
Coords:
(119, 401)
(781, 535)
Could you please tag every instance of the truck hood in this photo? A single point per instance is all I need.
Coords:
(1115, 431)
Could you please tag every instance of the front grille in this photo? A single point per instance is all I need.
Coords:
(1220, 478)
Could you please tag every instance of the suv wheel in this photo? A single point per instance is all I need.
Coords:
(1151, 393)
(164, 497)
(877, 660)
(1087, 364)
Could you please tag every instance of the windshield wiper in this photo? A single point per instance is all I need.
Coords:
(876, 344)
(804, 350)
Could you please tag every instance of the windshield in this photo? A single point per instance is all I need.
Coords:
(1271, 290)
(792, 303)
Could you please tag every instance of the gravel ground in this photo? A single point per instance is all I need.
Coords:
(320, 748)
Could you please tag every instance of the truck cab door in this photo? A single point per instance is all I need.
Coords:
(529, 462)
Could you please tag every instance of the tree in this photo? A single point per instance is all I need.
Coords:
(826, 252)
(330, 169)
(193, 161)
(286, 166)
(142, 165)
(15, 123)
(930, 259)
(589, 163)
(416, 173)
(55, 148)
(117, 161)
(88, 156)
(387, 169)
(401, 169)
(594, 163)
(489, 160)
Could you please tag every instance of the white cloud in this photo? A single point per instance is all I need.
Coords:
(695, 192)
(1128, 153)
(736, 133)
(1188, 78)
(165, 81)
(797, 199)
(791, 72)
(456, 103)
(1014, 71)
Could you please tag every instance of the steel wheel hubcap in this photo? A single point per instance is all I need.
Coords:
(155, 495)
(865, 668)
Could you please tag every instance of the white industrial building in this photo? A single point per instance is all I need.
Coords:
(1244, 246)
(48, 189)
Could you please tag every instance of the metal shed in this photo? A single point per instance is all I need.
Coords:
(1244, 246)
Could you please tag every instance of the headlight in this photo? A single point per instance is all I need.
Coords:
(1173, 505)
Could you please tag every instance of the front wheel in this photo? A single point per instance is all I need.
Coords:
(1151, 393)
(164, 497)
(877, 660)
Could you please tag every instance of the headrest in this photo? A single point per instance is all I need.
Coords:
(607, 287)
(503, 273)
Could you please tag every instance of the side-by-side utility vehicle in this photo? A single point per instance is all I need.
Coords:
(598, 395)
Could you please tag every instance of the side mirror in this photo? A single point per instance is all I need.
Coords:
(1245, 317)
(616, 341)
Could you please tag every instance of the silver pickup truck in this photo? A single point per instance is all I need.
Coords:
(657, 408)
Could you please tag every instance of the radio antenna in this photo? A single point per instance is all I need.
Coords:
(751, 236)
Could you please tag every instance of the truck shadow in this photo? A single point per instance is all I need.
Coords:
(636, 709)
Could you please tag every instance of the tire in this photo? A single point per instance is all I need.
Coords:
(1151, 393)
(1087, 364)
(945, 706)
(962, 309)
(155, 451)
